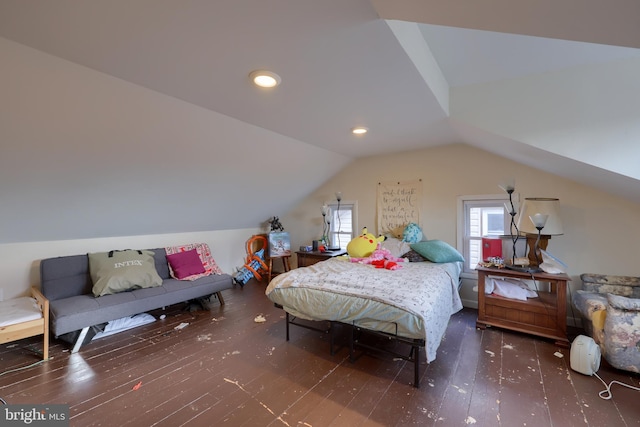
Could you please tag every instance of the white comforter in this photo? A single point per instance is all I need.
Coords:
(417, 299)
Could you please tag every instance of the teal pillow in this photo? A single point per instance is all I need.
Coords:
(437, 251)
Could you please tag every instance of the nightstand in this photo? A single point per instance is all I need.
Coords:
(306, 259)
(545, 316)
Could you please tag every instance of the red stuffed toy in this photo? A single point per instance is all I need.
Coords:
(383, 263)
(381, 258)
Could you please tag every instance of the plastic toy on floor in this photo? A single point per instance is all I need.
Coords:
(254, 265)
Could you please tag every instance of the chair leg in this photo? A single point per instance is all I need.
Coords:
(416, 366)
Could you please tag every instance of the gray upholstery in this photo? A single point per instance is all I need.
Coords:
(66, 282)
(610, 309)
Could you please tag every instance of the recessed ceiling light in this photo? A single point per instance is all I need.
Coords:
(359, 130)
(265, 78)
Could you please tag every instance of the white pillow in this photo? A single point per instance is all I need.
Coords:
(396, 246)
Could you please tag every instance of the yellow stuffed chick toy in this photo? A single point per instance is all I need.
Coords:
(363, 245)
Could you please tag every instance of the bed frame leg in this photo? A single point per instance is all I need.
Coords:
(331, 340)
(78, 343)
(352, 358)
(416, 366)
(287, 321)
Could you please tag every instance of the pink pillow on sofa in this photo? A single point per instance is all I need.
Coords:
(185, 264)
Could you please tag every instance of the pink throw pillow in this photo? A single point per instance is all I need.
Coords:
(185, 264)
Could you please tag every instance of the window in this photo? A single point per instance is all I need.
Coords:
(342, 223)
(478, 217)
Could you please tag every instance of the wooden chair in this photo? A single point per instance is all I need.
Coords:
(286, 266)
(30, 328)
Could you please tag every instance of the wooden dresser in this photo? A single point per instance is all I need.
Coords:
(545, 316)
(306, 259)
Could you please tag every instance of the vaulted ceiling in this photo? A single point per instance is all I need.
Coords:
(550, 84)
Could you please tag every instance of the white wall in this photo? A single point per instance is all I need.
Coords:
(87, 155)
(601, 235)
(586, 113)
(20, 264)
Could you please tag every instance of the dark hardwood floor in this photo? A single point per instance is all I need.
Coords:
(225, 368)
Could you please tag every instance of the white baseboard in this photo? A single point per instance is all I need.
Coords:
(470, 303)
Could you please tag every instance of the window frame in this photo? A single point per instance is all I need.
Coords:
(344, 206)
(464, 203)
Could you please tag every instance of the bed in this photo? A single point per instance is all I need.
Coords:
(25, 317)
(411, 305)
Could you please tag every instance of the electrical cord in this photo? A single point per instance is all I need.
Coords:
(24, 367)
(606, 394)
(4, 402)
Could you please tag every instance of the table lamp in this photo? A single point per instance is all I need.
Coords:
(539, 220)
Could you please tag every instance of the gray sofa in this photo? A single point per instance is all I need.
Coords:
(66, 283)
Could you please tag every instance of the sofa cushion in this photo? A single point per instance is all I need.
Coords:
(65, 276)
(623, 303)
(622, 333)
(628, 286)
(118, 271)
(593, 308)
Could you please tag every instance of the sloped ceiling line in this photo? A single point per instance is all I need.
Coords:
(417, 48)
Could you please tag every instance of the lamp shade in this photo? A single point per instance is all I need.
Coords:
(542, 206)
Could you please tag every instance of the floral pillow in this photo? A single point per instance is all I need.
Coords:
(412, 233)
(209, 264)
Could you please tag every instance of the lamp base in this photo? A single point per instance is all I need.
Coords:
(531, 243)
(333, 248)
(523, 269)
(522, 265)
